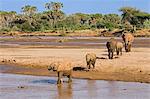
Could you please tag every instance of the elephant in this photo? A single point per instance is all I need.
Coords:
(61, 72)
(119, 46)
(90, 60)
(111, 46)
(128, 39)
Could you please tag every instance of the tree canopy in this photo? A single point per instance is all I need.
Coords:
(53, 18)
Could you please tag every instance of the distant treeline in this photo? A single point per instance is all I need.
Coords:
(53, 19)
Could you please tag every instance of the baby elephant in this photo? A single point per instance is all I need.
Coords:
(90, 60)
(119, 46)
(61, 72)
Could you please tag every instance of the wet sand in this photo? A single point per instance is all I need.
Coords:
(40, 87)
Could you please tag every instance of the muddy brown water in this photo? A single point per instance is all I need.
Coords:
(81, 42)
(14, 86)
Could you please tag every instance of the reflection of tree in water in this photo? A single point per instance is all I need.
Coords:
(91, 88)
(64, 91)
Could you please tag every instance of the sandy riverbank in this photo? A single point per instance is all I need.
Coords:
(133, 66)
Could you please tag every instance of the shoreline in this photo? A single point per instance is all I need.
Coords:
(76, 74)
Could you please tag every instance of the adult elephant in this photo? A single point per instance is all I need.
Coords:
(111, 46)
(128, 39)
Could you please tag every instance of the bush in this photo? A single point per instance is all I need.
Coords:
(26, 27)
(5, 30)
(109, 26)
(146, 24)
(15, 28)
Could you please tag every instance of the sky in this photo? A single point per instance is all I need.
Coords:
(75, 6)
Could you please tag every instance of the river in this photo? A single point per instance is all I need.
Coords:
(14, 86)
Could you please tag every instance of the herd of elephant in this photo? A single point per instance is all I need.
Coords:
(112, 46)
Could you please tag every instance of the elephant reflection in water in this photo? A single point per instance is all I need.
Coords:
(65, 91)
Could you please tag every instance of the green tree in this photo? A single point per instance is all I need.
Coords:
(6, 18)
(29, 20)
(109, 21)
(55, 6)
(94, 19)
(29, 10)
(128, 13)
(147, 24)
(128, 16)
(133, 16)
(81, 18)
(54, 12)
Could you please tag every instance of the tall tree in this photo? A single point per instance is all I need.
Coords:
(54, 12)
(133, 16)
(81, 18)
(6, 18)
(29, 10)
(55, 6)
(129, 17)
(94, 18)
(128, 13)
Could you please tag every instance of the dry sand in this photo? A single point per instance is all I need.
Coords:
(132, 66)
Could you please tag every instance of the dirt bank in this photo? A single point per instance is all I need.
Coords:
(133, 66)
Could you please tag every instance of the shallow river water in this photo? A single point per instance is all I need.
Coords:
(14, 86)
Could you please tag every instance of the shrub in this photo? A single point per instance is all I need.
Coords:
(5, 30)
(146, 24)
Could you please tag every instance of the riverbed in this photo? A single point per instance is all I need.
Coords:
(27, 55)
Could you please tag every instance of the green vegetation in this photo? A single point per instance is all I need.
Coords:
(54, 19)
(147, 24)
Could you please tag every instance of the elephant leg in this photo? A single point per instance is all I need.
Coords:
(120, 51)
(112, 55)
(109, 54)
(70, 78)
(88, 65)
(126, 47)
(59, 78)
(130, 48)
(117, 51)
(93, 64)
